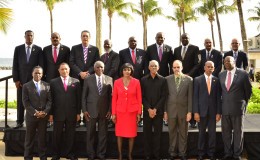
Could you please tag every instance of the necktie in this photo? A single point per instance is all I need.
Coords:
(235, 56)
(133, 56)
(208, 55)
(228, 80)
(65, 84)
(85, 54)
(183, 52)
(28, 53)
(208, 84)
(55, 54)
(38, 88)
(160, 53)
(99, 86)
(105, 57)
(177, 83)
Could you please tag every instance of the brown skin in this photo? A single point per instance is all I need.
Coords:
(160, 38)
(132, 42)
(185, 39)
(208, 44)
(55, 39)
(235, 44)
(107, 45)
(229, 63)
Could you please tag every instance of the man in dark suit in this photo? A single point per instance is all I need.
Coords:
(162, 53)
(178, 110)
(154, 92)
(111, 60)
(210, 54)
(96, 106)
(240, 57)
(236, 92)
(37, 102)
(134, 56)
(188, 54)
(66, 96)
(53, 56)
(26, 56)
(206, 109)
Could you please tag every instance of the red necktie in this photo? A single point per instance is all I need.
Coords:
(65, 85)
(133, 56)
(55, 54)
(228, 81)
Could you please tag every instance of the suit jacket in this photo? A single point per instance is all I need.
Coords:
(242, 59)
(22, 71)
(234, 101)
(204, 103)
(111, 64)
(33, 101)
(50, 68)
(76, 59)
(190, 62)
(166, 62)
(215, 57)
(179, 103)
(125, 57)
(93, 103)
(66, 104)
(127, 100)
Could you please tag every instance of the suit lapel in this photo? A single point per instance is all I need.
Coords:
(234, 79)
(181, 83)
(156, 53)
(61, 50)
(49, 53)
(95, 81)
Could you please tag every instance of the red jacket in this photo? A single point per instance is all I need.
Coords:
(129, 100)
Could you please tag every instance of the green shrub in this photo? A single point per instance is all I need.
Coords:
(10, 104)
(257, 76)
(254, 102)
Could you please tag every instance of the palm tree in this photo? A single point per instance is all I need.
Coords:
(98, 15)
(218, 24)
(50, 6)
(5, 16)
(189, 16)
(149, 8)
(184, 6)
(207, 8)
(118, 6)
(256, 10)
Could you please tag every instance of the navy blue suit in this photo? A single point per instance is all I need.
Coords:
(242, 59)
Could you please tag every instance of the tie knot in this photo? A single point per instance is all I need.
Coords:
(55, 47)
(28, 46)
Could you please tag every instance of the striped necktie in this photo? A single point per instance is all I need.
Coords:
(85, 51)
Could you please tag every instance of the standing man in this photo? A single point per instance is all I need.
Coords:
(53, 56)
(134, 56)
(210, 54)
(188, 55)
(160, 52)
(26, 56)
(240, 57)
(111, 60)
(96, 106)
(37, 102)
(154, 92)
(178, 110)
(206, 109)
(236, 92)
(66, 96)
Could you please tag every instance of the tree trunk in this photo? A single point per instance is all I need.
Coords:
(110, 27)
(212, 33)
(219, 29)
(98, 12)
(180, 35)
(183, 25)
(145, 35)
(144, 25)
(51, 19)
(242, 25)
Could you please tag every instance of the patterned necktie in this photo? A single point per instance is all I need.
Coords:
(99, 86)
(177, 83)
(160, 53)
(235, 56)
(133, 56)
(65, 84)
(105, 57)
(183, 52)
(208, 85)
(38, 88)
(228, 80)
(55, 55)
(28, 53)
(85, 51)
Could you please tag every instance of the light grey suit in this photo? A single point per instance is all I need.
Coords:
(33, 102)
(178, 104)
(234, 103)
(97, 106)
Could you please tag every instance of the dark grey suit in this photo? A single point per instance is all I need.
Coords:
(34, 102)
(234, 103)
(178, 104)
(111, 64)
(97, 106)
(50, 68)
(66, 106)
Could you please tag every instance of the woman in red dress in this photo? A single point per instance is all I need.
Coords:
(126, 108)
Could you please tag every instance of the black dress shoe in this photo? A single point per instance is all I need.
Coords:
(18, 125)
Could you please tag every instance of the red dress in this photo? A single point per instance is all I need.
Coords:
(126, 104)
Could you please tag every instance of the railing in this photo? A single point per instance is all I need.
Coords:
(6, 97)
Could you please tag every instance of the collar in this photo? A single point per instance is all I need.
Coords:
(157, 45)
(39, 82)
(186, 45)
(26, 45)
(206, 76)
(232, 71)
(156, 76)
(58, 46)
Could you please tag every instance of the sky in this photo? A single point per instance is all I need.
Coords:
(73, 16)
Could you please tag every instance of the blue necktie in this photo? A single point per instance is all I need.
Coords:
(38, 89)
(28, 54)
(99, 86)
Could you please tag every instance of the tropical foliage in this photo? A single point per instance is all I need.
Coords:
(5, 16)
(256, 11)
